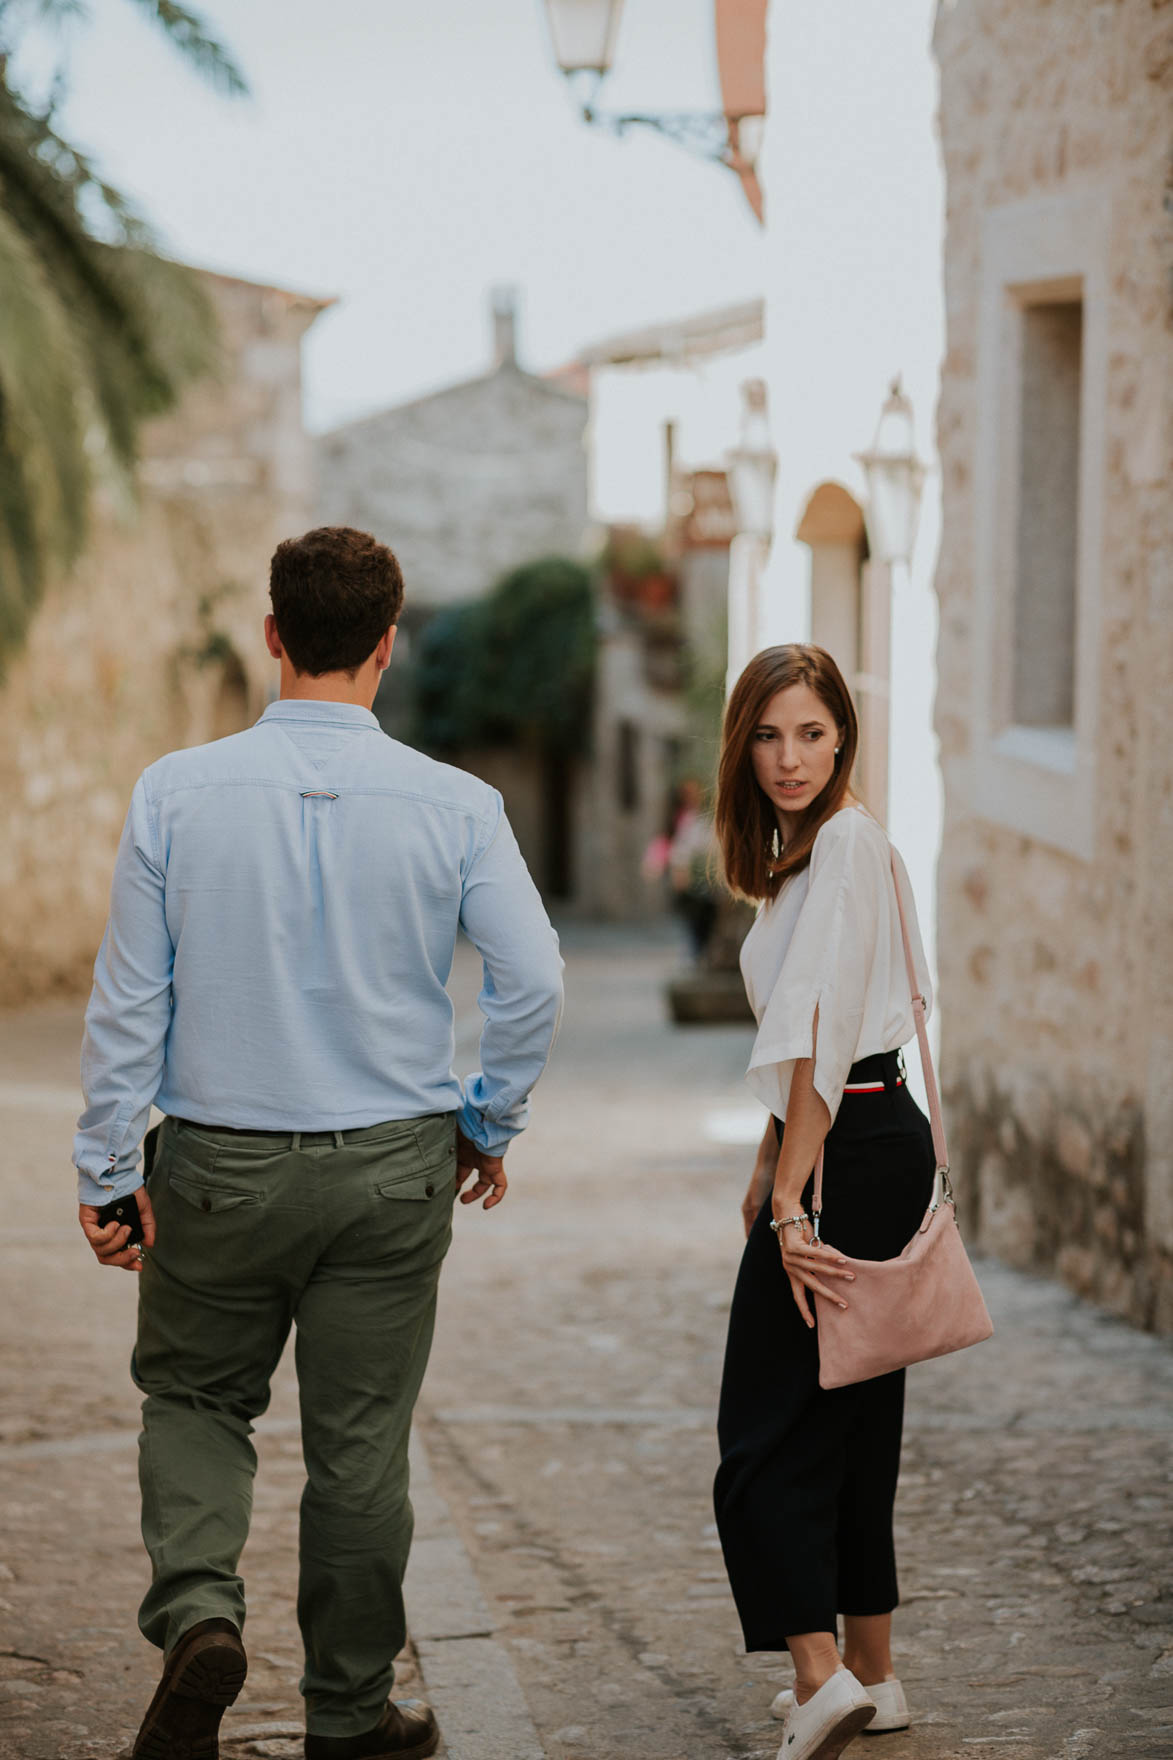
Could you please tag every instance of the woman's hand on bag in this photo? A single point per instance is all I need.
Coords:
(810, 1266)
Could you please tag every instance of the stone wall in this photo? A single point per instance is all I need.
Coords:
(154, 641)
(464, 484)
(1055, 947)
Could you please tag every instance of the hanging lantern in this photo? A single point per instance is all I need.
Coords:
(895, 476)
(583, 34)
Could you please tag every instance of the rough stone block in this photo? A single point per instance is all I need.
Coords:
(1073, 1145)
(709, 999)
(1008, 1218)
(478, 1701)
(444, 1599)
(1077, 1268)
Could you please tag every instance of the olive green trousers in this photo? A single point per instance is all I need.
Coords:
(340, 1235)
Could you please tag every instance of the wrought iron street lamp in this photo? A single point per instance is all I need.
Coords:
(895, 477)
(583, 34)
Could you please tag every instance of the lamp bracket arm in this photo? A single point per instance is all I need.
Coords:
(703, 132)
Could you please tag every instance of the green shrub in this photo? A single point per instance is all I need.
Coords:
(516, 667)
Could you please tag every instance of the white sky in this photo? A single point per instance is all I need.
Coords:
(408, 156)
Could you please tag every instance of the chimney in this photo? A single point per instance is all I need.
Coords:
(504, 327)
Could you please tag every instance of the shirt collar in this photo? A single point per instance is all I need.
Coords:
(310, 709)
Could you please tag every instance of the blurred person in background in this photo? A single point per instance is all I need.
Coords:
(284, 912)
(684, 853)
(807, 1480)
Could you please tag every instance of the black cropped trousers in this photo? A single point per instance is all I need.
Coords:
(807, 1481)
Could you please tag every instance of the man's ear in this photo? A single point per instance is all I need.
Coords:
(272, 639)
(383, 651)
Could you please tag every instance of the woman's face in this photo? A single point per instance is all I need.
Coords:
(793, 748)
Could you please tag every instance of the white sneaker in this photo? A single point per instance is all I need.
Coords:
(822, 1728)
(891, 1707)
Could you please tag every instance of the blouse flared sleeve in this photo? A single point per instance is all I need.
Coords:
(828, 967)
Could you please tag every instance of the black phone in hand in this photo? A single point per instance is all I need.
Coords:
(124, 1210)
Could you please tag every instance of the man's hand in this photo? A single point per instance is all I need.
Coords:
(109, 1243)
(757, 1192)
(488, 1169)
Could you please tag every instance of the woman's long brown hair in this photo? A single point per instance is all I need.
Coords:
(745, 817)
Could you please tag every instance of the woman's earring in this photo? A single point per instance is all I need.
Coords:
(775, 845)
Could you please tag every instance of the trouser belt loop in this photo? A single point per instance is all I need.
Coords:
(339, 1140)
(296, 1143)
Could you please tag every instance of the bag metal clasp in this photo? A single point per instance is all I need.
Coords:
(942, 1174)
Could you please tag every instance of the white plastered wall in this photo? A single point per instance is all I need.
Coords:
(854, 216)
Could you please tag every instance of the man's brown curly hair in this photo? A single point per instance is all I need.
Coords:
(335, 594)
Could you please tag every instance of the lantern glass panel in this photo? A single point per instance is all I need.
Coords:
(893, 507)
(583, 33)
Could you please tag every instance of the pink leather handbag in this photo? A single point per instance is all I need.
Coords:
(923, 1304)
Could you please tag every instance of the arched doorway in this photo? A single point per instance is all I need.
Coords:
(850, 614)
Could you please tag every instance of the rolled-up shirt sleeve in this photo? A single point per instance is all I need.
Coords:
(828, 967)
(128, 1015)
(521, 998)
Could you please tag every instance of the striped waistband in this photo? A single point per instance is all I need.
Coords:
(876, 1073)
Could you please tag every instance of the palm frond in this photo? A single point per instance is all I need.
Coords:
(20, 561)
(97, 330)
(17, 14)
(178, 311)
(88, 276)
(94, 337)
(191, 36)
(44, 470)
(186, 29)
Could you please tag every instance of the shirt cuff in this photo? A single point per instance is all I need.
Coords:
(491, 1139)
(92, 1191)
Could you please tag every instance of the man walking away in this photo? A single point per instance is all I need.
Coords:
(283, 917)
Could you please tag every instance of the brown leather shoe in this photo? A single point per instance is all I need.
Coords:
(406, 1731)
(202, 1675)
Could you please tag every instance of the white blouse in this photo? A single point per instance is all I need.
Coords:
(831, 939)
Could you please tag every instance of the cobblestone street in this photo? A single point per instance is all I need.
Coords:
(567, 1578)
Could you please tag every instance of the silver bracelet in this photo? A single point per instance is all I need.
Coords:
(789, 1222)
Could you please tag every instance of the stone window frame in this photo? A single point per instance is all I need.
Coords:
(1038, 781)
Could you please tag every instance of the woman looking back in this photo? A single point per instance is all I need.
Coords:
(807, 1480)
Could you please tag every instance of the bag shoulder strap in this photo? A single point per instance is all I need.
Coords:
(936, 1121)
(919, 1016)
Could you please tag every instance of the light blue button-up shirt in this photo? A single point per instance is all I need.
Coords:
(283, 917)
